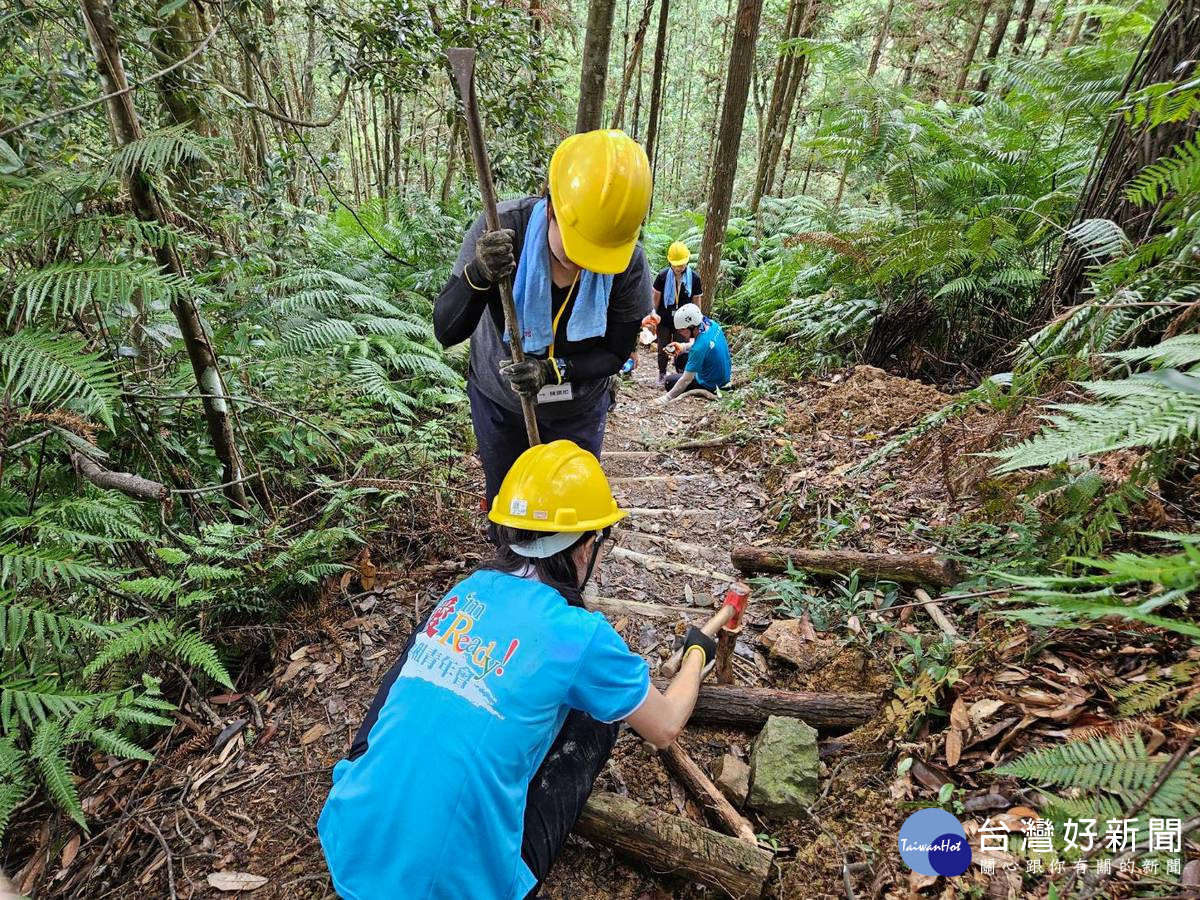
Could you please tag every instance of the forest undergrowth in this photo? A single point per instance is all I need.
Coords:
(965, 324)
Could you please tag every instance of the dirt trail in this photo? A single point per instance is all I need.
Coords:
(251, 805)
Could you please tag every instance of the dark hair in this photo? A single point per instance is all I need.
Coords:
(558, 571)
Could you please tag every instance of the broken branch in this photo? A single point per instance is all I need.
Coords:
(918, 568)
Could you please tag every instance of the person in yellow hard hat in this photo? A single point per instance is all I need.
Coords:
(675, 286)
(581, 286)
(481, 748)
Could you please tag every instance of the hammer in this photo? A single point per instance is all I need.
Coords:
(728, 621)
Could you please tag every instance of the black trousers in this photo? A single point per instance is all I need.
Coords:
(500, 432)
(560, 787)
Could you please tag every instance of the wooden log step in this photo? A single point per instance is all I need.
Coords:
(673, 514)
(611, 606)
(913, 568)
(737, 706)
(656, 564)
(668, 844)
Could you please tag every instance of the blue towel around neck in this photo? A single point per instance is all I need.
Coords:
(669, 287)
(531, 292)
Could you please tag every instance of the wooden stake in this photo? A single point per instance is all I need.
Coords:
(654, 564)
(935, 612)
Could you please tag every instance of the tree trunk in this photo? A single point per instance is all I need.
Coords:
(969, 53)
(1023, 27)
(593, 72)
(673, 845)
(171, 42)
(1169, 54)
(633, 65)
(729, 137)
(660, 59)
(998, 34)
(790, 70)
(131, 485)
(735, 706)
(918, 568)
(911, 66)
(880, 38)
(126, 128)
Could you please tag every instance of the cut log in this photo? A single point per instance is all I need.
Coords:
(913, 568)
(672, 845)
(611, 606)
(749, 707)
(685, 769)
(672, 515)
(657, 564)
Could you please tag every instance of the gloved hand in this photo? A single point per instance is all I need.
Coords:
(697, 638)
(493, 257)
(661, 400)
(530, 375)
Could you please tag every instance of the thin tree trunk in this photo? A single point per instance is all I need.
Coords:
(798, 74)
(1125, 150)
(127, 128)
(172, 42)
(972, 46)
(998, 34)
(715, 104)
(593, 72)
(880, 38)
(1076, 28)
(733, 114)
(911, 67)
(633, 64)
(660, 53)
(1023, 27)
(784, 64)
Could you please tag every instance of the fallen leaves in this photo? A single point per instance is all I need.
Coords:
(313, 734)
(235, 881)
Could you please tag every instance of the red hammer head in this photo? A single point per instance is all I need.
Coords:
(737, 596)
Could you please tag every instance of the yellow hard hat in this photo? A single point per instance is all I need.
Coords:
(557, 487)
(600, 188)
(678, 254)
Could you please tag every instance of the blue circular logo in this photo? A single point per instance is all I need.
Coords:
(933, 842)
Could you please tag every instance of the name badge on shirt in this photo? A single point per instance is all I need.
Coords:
(555, 393)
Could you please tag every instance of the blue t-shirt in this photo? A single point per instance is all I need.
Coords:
(709, 358)
(435, 806)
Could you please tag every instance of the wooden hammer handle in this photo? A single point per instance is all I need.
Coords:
(718, 621)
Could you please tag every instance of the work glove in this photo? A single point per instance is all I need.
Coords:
(493, 257)
(661, 400)
(697, 638)
(530, 375)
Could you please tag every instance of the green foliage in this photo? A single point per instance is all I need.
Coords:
(44, 371)
(1106, 767)
(1135, 587)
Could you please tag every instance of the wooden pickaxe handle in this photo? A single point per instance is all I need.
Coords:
(462, 64)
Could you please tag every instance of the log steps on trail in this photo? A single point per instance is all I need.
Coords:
(673, 845)
(912, 568)
(738, 706)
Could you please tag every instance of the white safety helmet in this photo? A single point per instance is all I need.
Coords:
(688, 316)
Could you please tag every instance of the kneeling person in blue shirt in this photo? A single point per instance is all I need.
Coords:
(481, 748)
(709, 366)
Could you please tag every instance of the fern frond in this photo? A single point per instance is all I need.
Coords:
(54, 370)
(20, 565)
(64, 288)
(49, 752)
(162, 151)
(199, 654)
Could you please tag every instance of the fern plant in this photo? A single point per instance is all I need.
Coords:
(1108, 775)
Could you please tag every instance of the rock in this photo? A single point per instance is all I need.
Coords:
(785, 640)
(732, 776)
(784, 778)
